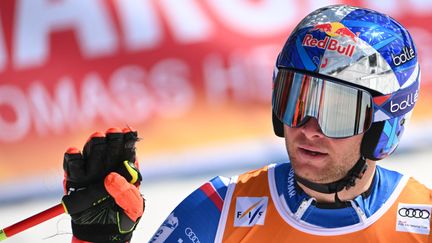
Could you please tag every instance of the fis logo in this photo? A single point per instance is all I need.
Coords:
(332, 41)
(250, 211)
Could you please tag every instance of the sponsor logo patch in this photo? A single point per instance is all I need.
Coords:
(414, 218)
(250, 211)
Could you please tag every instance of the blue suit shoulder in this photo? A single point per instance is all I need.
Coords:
(197, 216)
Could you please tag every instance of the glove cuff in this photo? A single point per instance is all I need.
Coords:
(100, 233)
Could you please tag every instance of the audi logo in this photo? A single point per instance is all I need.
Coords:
(414, 213)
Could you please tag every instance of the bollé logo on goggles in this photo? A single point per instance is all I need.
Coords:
(333, 29)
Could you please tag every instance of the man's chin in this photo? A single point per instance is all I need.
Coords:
(307, 171)
(310, 170)
(316, 174)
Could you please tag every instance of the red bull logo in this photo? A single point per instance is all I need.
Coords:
(332, 29)
(327, 27)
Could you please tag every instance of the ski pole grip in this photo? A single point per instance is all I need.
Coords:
(31, 221)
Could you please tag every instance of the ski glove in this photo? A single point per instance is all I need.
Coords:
(101, 187)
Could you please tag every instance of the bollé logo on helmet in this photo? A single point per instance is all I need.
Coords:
(332, 29)
(405, 103)
(406, 55)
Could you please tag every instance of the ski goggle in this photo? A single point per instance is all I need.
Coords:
(341, 110)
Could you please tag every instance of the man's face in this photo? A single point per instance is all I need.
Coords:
(318, 158)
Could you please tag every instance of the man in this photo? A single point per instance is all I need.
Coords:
(344, 87)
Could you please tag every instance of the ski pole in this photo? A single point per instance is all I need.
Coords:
(31, 221)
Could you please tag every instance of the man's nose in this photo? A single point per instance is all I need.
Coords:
(311, 129)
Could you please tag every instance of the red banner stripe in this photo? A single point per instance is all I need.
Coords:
(211, 192)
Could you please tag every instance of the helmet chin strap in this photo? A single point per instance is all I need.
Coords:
(356, 172)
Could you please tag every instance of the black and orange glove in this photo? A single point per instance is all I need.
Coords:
(101, 187)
